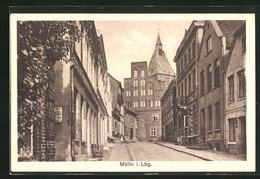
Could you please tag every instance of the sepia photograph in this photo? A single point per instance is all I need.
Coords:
(152, 92)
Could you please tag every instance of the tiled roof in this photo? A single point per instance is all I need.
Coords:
(159, 62)
(229, 27)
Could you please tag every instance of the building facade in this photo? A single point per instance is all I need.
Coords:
(235, 95)
(186, 60)
(169, 121)
(117, 107)
(144, 90)
(130, 128)
(82, 96)
(216, 41)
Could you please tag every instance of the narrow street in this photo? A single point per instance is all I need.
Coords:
(144, 151)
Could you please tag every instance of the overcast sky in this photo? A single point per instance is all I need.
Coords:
(133, 41)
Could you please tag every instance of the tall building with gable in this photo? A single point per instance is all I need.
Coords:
(144, 90)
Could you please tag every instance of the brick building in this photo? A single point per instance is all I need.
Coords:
(235, 95)
(117, 107)
(82, 98)
(168, 106)
(144, 90)
(216, 42)
(186, 60)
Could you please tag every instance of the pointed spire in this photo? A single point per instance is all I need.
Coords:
(158, 42)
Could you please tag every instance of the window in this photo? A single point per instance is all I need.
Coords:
(136, 82)
(241, 84)
(186, 120)
(217, 105)
(231, 87)
(210, 117)
(152, 131)
(189, 54)
(129, 93)
(189, 83)
(194, 79)
(185, 87)
(179, 90)
(142, 73)
(243, 44)
(209, 76)
(209, 45)
(135, 73)
(151, 103)
(232, 132)
(193, 49)
(141, 92)
(216, 72)
(202, 82)
(157, 102)
(155, 117)
(150, 91)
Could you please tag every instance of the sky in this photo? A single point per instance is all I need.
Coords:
(133, 41)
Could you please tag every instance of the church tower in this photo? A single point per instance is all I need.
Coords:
(144, 90)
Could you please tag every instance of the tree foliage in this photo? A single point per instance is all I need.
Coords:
(39, 44)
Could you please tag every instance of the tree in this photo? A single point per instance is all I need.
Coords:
(39, 44)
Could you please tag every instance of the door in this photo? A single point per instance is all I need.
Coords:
(131, 134)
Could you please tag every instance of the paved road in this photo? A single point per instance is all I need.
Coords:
(143, 151)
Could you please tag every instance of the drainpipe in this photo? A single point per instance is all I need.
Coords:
(72, 110)
(224, 52)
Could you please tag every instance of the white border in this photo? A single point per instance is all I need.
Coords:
(191, 166)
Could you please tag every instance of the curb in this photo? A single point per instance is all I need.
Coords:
(131, 155)
(195, 155)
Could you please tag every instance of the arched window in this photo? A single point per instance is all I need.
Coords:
(152, 131)
(142, 73)
(135, 74)
(151, 103)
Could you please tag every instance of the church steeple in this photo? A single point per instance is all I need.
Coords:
(159, 63)
(158, 42)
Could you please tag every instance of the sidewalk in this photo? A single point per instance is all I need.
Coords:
(203, 154)
(119, 153)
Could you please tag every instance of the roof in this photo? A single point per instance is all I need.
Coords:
(239, 31)
(158, 42)
(173, 82)
(229, 27)
(159, 62)
(187, 35)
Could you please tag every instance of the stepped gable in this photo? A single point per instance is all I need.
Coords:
(228, 27)
(159, 62)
